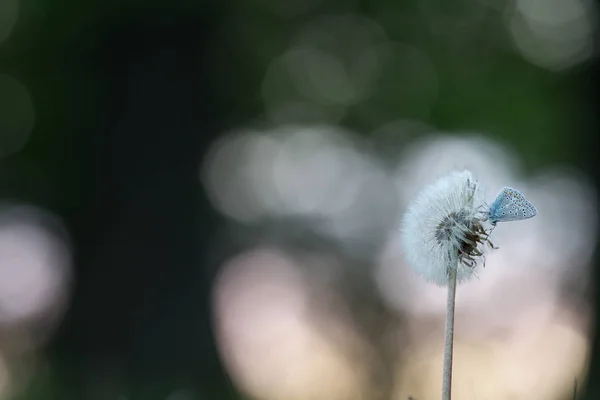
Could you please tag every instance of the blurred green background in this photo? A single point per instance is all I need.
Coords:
(108, 110)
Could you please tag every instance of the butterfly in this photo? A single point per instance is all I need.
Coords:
(510, 205)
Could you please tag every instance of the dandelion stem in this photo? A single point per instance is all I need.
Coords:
(449, 336)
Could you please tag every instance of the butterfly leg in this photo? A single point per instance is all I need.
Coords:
(486, 239)
(483, 209)
(482, 240)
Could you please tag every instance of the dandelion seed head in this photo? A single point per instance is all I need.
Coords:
(444, 227)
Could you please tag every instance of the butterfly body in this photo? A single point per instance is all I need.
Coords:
(510, 205)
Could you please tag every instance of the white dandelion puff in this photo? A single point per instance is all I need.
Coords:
(442, 231)
(444, 227)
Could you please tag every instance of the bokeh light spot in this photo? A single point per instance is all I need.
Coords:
(267, 340)
(313, 172)
(291, 170)
(34, 268)
(236, 175)
(555, 34)
(328, 67)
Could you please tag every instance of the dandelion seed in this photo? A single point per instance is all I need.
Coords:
(444, 229)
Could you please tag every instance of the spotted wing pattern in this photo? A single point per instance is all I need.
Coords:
(510, 205)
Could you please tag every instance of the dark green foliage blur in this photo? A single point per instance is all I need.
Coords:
(128, 97)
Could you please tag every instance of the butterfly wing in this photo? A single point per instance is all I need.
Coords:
(497, 209)
(510, 205)
(524, 209)
(516, 212)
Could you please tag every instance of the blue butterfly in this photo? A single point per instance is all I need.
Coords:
(510, 205)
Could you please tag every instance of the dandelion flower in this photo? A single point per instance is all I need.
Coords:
(443, 228)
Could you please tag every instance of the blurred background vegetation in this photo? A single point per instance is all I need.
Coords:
(171, 227)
